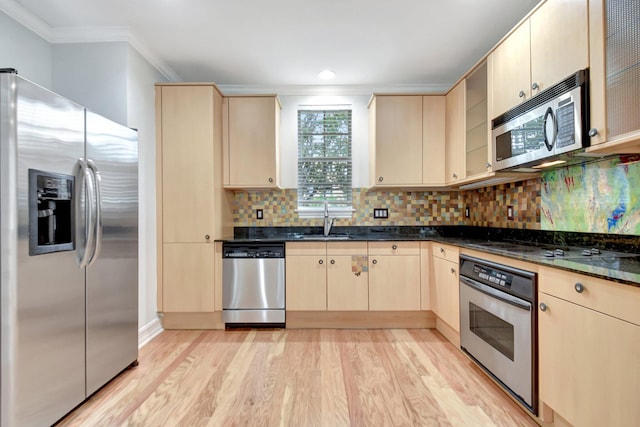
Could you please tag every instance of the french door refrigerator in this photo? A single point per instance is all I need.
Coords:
(69, 246)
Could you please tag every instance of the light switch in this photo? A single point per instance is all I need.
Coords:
(259, 214)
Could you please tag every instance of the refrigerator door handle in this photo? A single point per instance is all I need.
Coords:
(97, 182)
(84, 179)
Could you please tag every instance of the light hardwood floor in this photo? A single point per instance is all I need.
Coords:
(313, 377)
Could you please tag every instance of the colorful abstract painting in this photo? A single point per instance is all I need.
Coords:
(599, 197)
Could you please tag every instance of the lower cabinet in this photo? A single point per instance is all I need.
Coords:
(394, 276)
(445, 295)
(188, 277)
(347, 276)
(306, 275)
(589, 349)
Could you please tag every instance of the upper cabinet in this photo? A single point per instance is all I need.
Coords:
(251, 141)
(406, 140)
(540, 52)
(614, 40)
(476, 120)
(455, 135)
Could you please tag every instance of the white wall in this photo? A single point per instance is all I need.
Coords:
(289, 135)
(141, 77)
(25, 51)
(93, 75)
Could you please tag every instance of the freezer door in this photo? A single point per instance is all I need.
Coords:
(112, 272)
(43, 294)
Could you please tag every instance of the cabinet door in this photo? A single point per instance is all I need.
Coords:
(433, 140)
(445, 297)
(559, 42)
(455, 134)
(589, 365)
(187, 133)
(346, 290)
(476, 122)
(188, 277)
(394, 282)
(306, 286)
(251, 142)
(397, 141)
(510, 70)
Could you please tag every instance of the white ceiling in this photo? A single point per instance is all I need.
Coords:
(383, 45)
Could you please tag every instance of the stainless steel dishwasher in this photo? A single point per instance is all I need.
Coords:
(253, 280)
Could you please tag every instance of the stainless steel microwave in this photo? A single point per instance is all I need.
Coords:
(548, 129)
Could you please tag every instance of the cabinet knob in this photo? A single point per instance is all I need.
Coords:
(394, 247)
(271, 180)
(454, 175)
(543, 306)
(375, 261)
(453, 270)
(535, 86)
(593, 132)
(333, 261)
(320, 262)
(521, 94)
(380, 179)
(441, 250)
(207, 237)
(579, 287)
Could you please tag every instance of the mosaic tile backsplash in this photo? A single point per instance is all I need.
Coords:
(487, 207)
(601, 197)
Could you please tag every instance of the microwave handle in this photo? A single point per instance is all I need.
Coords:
(550, 142)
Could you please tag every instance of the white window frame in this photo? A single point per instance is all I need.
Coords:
(334, 211)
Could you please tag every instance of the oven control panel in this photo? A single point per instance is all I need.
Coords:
(514, 281)
(492, 276)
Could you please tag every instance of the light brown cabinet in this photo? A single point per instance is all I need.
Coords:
(455, 134)
(251, 142)
(406, 135)
(192, 207)
(306, 275)
(614, 76)
(347, 290)
(445, 295)
(546, 48)
(477, 147)
(589, 349)
(394, 276)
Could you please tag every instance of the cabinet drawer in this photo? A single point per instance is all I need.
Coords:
(448, 252)
(346, 248)
(306, 248)
(394, 248)
(615, 299)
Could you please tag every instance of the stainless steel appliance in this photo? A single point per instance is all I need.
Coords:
(550, 127)
(69, 246)
(498, 324)
(253, 290)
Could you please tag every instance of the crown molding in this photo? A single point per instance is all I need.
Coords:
(334, 89)
(26, 18)
(62, 35)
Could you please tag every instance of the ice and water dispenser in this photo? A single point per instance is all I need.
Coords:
(51, 212)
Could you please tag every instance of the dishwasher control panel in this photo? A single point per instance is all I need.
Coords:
(253, 250)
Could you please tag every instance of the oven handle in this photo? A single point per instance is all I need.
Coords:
(502, 296)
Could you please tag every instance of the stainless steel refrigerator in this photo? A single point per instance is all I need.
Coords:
(69, 246)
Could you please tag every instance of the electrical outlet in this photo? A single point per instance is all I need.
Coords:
(510, 213)
(380, 213)
(467, 212)
(259, 214)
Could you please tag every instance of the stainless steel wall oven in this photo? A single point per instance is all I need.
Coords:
(498, 325)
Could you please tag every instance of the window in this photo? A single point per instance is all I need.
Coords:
(324, 161)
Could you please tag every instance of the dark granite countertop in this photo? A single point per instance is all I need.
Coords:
(624, 269)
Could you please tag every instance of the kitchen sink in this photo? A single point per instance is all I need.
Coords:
(323, 237)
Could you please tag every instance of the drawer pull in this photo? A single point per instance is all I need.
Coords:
(453, 270)
(320, 262)
(521, 94)
(271, 180)
(333, 261)
(579, 287)
(394, 247)
(441, 250)
(543, 306)
(207, 237)
(375, 261)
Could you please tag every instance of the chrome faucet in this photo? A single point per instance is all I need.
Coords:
(328, 222)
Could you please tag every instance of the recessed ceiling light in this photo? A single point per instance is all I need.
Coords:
(326, 74)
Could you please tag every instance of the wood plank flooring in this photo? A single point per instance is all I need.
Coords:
(311, 377)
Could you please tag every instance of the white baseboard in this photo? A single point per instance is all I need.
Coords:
(149, 332)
